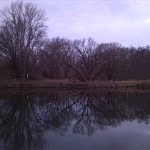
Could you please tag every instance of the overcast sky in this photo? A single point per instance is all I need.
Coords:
(123, 21)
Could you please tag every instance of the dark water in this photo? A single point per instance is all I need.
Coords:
(74, 120)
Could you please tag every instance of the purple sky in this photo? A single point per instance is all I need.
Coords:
(123, 21)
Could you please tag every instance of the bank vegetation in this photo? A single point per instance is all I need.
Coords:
(26, 53)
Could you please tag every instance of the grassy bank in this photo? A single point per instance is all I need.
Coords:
(142, 84)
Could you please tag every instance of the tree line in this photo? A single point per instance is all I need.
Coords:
(26, 52)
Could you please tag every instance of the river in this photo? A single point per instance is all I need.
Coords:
(74, 120)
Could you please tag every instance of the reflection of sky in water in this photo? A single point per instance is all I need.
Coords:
(79, 120)
(128, 136)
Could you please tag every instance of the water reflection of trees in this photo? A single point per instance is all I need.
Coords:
(24, 118)
(21, 125)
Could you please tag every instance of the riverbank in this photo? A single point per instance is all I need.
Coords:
(142, 84)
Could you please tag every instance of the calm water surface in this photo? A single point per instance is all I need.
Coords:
(74, 120)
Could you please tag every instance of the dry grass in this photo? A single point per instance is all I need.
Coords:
(141, 84)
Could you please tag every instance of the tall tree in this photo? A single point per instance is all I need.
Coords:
(85, 61)
(52, 58)
(22, 31)
(112, 56)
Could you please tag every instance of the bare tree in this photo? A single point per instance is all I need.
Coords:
(85, 61)
(22, 31)
(112, 56)
(52, 58)
(138, 63)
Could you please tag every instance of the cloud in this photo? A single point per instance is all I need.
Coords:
(123, 21)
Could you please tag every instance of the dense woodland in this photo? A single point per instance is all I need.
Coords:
(26, 52)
